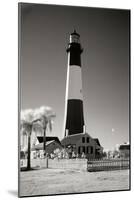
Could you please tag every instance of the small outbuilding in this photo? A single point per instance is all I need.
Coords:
(124, 150)
(52, 143)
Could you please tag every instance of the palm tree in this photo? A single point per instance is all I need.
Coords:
(46, 115)
(34, 120)
(26, 125)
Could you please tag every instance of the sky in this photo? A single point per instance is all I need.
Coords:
(104, 35)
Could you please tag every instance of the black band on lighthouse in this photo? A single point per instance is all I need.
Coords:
(75, 50)
(75, 118)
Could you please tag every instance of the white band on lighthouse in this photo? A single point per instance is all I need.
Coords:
(75, 83)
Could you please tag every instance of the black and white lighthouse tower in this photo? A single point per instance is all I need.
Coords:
(74, 118)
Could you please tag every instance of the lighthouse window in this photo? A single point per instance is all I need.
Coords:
(83, 139)
(75, 38)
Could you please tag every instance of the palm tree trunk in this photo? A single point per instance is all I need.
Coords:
(29, 153)
(44, 142)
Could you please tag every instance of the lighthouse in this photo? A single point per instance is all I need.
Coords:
(74, 118)
(76, 139)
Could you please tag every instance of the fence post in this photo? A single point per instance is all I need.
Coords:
(46, 161)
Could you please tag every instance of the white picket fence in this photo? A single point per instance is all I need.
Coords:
(108, 164)
(80, 164)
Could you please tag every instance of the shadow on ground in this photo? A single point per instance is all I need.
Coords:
(13, 192)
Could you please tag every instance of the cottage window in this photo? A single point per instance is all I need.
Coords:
(79, 150)
(83, 139)
(87, 150)
(91, 150)
(87, 139)
(84, 149)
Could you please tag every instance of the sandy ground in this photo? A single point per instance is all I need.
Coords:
(61, 181)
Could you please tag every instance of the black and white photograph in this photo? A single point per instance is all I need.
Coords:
(74, 99)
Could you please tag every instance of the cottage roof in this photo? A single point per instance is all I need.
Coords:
(40, 145)
(97, 141)
(48, 138)
(124, 147)
(73, 138)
